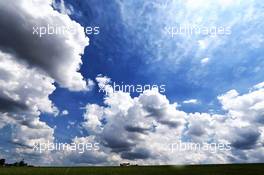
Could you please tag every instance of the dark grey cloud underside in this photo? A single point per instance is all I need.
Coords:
(247, 138)
(137, 154)
(136, 129)
(9, 105)
(117, 145)
(16, 37)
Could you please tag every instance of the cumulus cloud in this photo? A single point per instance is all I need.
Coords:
(29, 67)
(23, 96)
(247, 107)
(93, 117)
(79, 155)
(132, 122)
(128, 128)
(141, 129)
(245, 137)
(57, 55)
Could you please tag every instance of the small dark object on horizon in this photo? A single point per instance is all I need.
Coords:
(17, 164)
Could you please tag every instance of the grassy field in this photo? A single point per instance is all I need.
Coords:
(239, 169)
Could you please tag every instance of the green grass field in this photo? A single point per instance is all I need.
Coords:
(239, 169)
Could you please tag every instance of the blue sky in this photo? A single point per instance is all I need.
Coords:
(125, 51)
(49, 88)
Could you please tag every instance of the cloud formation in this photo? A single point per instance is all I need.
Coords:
(199, 58)
(137, 129)
(57, 55)
(29, 67)
(140, 129)
(24, 94)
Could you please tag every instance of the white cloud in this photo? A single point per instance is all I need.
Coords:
(65, 112)
(103, 84)
(90, 84)
(62, 7)
(23, 95)
(140, 129)
(29, 66)
(130, 129)
(242, 18)
(259, 86)
(248, 107)
(57, 55)
(191, 101)
(93, 117)
(18, 84)
(205, 61)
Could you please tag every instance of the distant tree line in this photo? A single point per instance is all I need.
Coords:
(17, 164)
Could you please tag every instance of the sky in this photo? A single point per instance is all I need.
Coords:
(208, 85)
